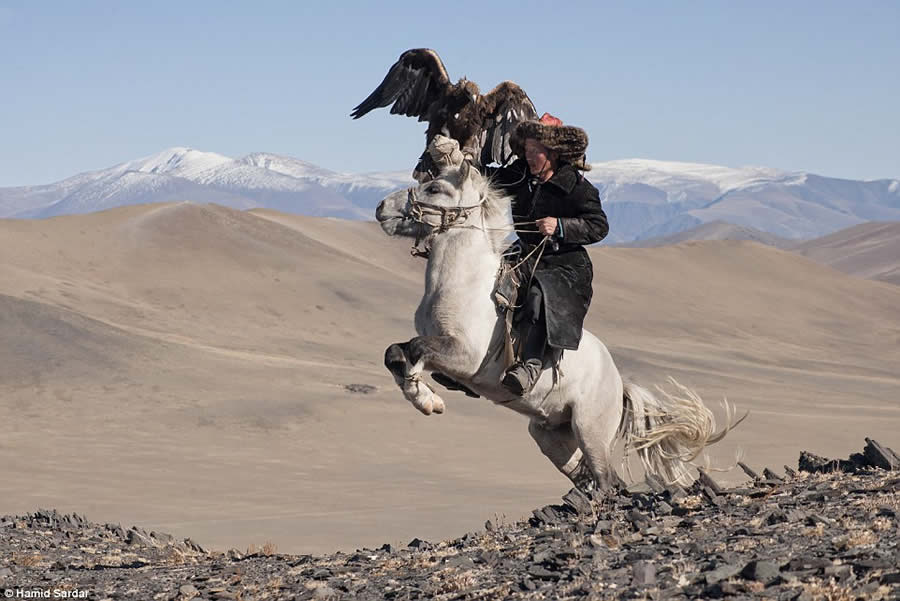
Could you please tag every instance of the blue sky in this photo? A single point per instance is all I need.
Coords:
(809, 86)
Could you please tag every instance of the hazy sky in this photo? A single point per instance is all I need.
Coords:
(809, 86)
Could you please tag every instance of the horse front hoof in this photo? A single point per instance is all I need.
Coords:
(437, 404)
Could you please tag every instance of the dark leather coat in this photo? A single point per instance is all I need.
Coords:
(564, 274)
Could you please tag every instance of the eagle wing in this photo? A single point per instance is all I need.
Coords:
(413, 84)
(506, 106)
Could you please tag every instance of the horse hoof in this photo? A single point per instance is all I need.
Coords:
(437, 404)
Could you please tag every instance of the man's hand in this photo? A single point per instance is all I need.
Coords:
(546, 225)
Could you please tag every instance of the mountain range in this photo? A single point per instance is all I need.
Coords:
(644, 199)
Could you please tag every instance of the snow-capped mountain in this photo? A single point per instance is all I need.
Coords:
(365, 190)
(647, 199)
(643, 199)
(178, 174)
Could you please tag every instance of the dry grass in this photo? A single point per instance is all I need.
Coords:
(862, 537)
(452, 580)
(27, 560)
(830, 592)
(818, 530)
(269, 548)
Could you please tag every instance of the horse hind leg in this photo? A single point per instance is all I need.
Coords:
(561, 448)
(407, 375)
(594, 436)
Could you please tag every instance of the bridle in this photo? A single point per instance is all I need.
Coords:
(451, 217)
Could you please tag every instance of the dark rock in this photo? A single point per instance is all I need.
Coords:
(709, 483)
(809, 462)
(723, 573)
(790, 473)
(360, 388)
(808, 563)
(761, 570)
(542, 573)
(891, 578)
(134, 537)
(770, 475)
(748, 471)
(459, 561)
(644, 573)
(881, 457)
(421, 545)
(815, 519)
(579, 502)
(775, 517)
(637, 518)
(663, 508)
(839, 572)
(603, 526)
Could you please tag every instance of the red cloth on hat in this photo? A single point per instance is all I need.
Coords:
(548, 119)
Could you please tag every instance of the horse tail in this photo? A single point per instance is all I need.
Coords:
(669, 431)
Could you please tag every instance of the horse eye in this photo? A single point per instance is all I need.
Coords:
(433, 190)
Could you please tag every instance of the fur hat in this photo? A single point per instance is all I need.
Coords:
(566, 140)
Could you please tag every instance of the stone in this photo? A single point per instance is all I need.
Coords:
(188, 591)
(748, 471)
(891, 578)
(325, 592)
(770, 475)
(723, 573)
(881, 457)
(663, 508)
(134, 537)
(644, 573)
(579, 502)
(709, 483)
(360, 388)
(761, 571)
(542, 573)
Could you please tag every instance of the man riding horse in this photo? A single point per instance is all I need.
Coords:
(557, 212)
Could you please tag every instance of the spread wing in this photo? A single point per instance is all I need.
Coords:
(413, 84)
(505, 107)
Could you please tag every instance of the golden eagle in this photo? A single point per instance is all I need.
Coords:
(418, 86)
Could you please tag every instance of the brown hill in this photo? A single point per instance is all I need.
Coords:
(185, 366)
(869, 250)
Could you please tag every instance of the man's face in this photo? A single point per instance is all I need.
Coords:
(537, 155)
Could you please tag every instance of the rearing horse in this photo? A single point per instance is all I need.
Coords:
(574, 419)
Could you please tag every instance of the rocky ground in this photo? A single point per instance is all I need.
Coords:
(828, 530)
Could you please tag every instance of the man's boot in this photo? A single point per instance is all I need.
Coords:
(523, 375)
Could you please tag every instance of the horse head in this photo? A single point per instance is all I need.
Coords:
(436, 205)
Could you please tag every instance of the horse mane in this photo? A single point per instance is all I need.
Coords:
(497, 210)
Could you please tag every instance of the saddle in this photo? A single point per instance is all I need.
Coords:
(507, 290)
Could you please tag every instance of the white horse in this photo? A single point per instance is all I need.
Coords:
(575, 418)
